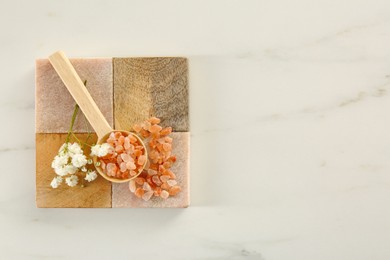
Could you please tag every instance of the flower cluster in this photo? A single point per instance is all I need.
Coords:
(70, 160)
(100, 150)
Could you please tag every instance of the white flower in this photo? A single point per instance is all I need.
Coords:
(56, 182)
(72, 180)
(59, 161)
(70, 149)
(79, 160)
(95, 150)
(91, 176)
(67, 169)
(105, 149)
(101, 150)
(62, 151)
(74, 149)
(71, 169)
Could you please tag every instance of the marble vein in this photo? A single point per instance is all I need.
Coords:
(308, 51)
(319, 111)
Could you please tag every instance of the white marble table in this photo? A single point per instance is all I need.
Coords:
(290, 114)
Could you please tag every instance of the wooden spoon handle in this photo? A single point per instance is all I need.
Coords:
(80, 93)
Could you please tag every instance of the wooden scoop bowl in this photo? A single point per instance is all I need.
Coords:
(91, 111)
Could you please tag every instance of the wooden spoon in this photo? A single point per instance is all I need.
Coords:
(91, 111)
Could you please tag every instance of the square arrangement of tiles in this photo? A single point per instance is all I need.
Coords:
(127, 91)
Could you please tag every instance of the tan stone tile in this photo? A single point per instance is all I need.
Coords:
(54, 104)
(123, 198)
(151, 86)
(96, 194)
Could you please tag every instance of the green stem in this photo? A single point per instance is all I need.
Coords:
(89, 133)
(86, 141)
(75, 137)
(76, 109)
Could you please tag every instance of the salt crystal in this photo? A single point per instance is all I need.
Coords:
(167, 147)
(130, 150)
(155, 128)
(166, 131)
(102, 164)
(174, 190)
(156, 180)
(167, 165)
(152, 143)
(161, 140)
(111, 169)
(118, 148)
(153, 154)
(139, 180)
(137, 153)
(125, 157)
(123, 167)
(117, 135)
(154, 120)
(139, 147)
(132, 186)
(147, 195)
(137, 128)
(167, 154)
(164, 194)
(164, 178)
(121, 140)
(141, 160)
(126, 143)
(147, 125)
(152, 172)
(172, 182)
(112, 136)
(146, 186)
(132, 139)
(161, 168)
(165, 186)
(139, 192)
(130, 165)
(171, 174)
(157, 191)
(119, 160)
(125, 175)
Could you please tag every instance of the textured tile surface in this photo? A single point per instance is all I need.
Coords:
(123, 198)
(151, 86)
(54, 104)
(97, 194)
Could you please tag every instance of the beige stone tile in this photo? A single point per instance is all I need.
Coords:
(96, 194)
(54, 104)
(123, 198)
(151, 86)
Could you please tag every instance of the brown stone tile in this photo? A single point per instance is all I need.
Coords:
(151, 86)
(96, 194)
(54, 104)
(123, 198)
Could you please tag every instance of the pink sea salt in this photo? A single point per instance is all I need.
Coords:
(147, 195)
(164, 194)
(120, 162)
(157, 180)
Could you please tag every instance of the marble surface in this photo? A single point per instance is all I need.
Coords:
(290, 121)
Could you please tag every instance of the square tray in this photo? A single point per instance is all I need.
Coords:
(127, 91)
